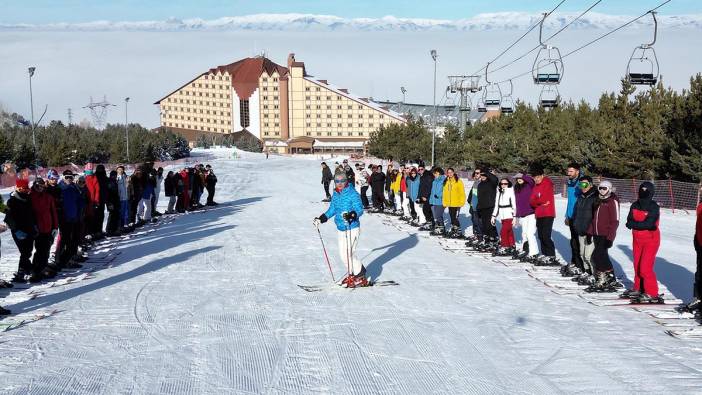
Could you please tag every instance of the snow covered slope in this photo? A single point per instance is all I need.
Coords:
(210, 304)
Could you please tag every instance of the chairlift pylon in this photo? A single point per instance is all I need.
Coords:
(645, 70)
(507, 105)
(492, 94)
(548, 65)
(549, 97)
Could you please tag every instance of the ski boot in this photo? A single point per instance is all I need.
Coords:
(646, 298)
(19, 277)
(585, 279)
(415, 223)
(630, 294)
(547, 261)
(35, 278)
(427, 226)
(438, 231)
(4, 311)
(604, 282)
(358, 281)
(5, 284)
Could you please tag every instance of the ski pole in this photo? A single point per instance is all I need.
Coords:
(348, 248)
(326, 257)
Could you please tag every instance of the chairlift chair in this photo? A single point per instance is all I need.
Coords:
(549, 97)
(481, 105)
(548, 65)
(643, 67)
(507, 105)
(492, 94)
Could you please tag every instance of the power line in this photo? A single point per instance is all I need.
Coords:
(520, 38)
(592, 41)
(548, 39)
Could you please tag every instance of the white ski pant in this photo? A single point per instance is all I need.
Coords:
(405, 206)
(398, 201)
(348, 241)
(586, 251)
(528, 225)
(420, 212)
(144, 209)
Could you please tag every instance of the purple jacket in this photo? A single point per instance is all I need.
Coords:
(522, 196)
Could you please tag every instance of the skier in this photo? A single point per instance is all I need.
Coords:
(523, 185)
(473, 210)
(74, 203)
(426, 178)
(487, 190)
(3, 283)
(346, 208)
(210, 184)
(581, 219)
(603, 230)
(19, 217)
(454, 197)
(101, 175)
(113, 206)
(91, 213)
(404, 194)
(696, 303)
(543, 202)
(123, 198)
(157, 191)
(413, 182)
(396, 181)
(362, 182)
(572, 191)
(437, 201)
(47, 228)
(377, 181)
(505, 207)
(169, 190)
(643, 220)
(389, 178)
(327, 178)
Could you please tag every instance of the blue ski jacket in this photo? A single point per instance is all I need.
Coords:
(413, 188)
(573, 193)
(72, 202)
(343, 202)
(437, 191)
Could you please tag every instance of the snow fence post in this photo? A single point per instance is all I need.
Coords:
(670, 191)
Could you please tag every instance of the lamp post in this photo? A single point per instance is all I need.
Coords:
(31, 105)
(126, 124)
(434, 55)
(402, 88)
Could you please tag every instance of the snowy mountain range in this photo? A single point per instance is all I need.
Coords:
(311, 22)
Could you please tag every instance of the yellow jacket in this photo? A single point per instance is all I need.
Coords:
(395, 184)
(454, 193)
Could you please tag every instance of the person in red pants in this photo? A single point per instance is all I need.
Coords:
(643, 220)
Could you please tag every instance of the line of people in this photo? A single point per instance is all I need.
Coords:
(68, 212)
(422, 196)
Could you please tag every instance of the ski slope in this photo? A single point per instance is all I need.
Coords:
(209, 304)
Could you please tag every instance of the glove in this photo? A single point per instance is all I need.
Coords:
(492, 221)
(418, 201)
(567, 222)
(54, 233)
(3, 228)
(588, 239)
(110, 207)
(20, 235)
(319, 220)
(350, 217)
(610, 243)
(435, 197)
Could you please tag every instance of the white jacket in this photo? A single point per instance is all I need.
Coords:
(505, 204)
(362, 179)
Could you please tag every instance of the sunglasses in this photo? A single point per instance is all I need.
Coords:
(603, 188)
(339, 181)
(504, 183)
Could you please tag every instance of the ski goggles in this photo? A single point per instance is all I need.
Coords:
(603, 189)
(340, 181)
(583, 184)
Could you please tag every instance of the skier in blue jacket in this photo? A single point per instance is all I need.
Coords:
(436, 200)
(346, 208)
(573, 192)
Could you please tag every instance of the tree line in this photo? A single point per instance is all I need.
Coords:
(58, 144)
(642, 133)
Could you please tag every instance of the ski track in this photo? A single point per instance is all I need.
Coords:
(209, 303)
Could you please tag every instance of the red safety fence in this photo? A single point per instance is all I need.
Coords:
(9, 173)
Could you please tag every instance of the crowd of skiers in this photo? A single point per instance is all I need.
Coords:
(421, 196)
(68, 211)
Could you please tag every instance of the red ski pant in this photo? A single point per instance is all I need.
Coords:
(645, 250)
(507, 233)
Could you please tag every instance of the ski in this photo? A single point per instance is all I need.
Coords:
(14, 324)
(694, 333)
(317, 288)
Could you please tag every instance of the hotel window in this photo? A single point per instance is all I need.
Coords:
(319, 133)
(319, 125)
(307, 89)
(338, 107)
(360, 115)
(307, 98)
(338, 115)
(319, 107)
(382, 116)
(350, 115)
(265, 115)
(370, 116)
(319, 115)
(338, 98)
(275, 80)
(350, 107)
(360, 125)
(205, 77)
(275, 88)
(244, 113)
(328, 107)
(360, 107)
(318, 89)
(328, 133)
(328, 125)
(350, 125)
(308, 133)
(277, 124)
(308, 116)
(265, 80)
(319, 97)
(338, 133)
(275, 106)
(193, 84)
(338, 125)
(265, 106)
(265, 124)
(265, 133)
(308, 124)
(265, 88)
(276, 116)
(350, 133)
(265, 97)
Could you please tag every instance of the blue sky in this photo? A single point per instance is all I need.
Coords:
(46, 11)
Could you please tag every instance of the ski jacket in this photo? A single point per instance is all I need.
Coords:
(542, 199)
(395, 185)
(522, 194)
(454, 193)
(44, 209)
(486, 192)
(350, 175)
(644, 216)
(113, 198)
(93, 185)
(211, 180)
(136, 187)
(473, 195)
(388, 180)
(55, 192)
(149, 187)
(437, 191)
(327, 175)
(505, 204)
(362, 181)
(377, 181)
(343, 202)
(169, 186)
(605, 220)
(413, 187)
(583, 211)
(73, 202)
(403, 183)
(102, 181)
(572, 191)
(698, 225)
(425, 182)
(19, 214)
(122, 187)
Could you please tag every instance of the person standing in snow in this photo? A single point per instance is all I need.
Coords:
(389, 178)
(505, 208)
(346, 208)
(169, 189)
(3, 283)
(426, 178)
(643, 220)
(157, 192)
(47, 223)
(19, 217)
(123, 198)
(453, 197)
(413, 195)
(603, 229)
(377, 181)
(696, 303)
(473, 208)
(327, 178)
(581, 219)
(437, 201)
(362, 182)
(210, 183)
(523, 185)
(487, 190)
(543, 202)
(572, 191)
(113, 206)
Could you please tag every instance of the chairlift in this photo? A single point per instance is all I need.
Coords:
(548, 65)
(492, 94)
(643, 68)
(481, 105)
(474, 83)
(507, 105)
(549, 97)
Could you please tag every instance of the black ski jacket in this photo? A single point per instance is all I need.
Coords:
(19, 214)
(377, 181)
(425, 182)
(584, 210)
(487, 190)
(327, 175)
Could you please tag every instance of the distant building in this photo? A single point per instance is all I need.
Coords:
(285, 108)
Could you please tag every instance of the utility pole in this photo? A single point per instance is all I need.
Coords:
(434, 55)
(126, 124)
(402, 88)
(31, 105)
